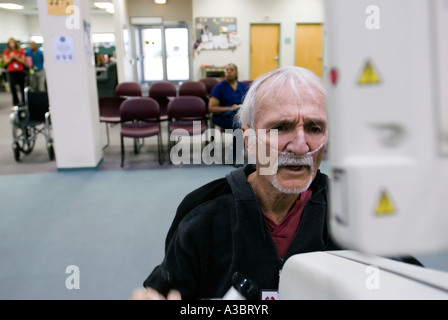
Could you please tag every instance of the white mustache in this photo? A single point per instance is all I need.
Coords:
(289, 159)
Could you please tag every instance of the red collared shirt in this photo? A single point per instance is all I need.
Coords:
(14, 65)
(284, 233)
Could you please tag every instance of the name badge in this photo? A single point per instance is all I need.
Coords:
(269, 295)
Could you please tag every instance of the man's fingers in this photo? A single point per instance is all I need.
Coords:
(146, 294)
(174, 295)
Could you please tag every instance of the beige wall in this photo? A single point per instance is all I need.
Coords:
(285, 12)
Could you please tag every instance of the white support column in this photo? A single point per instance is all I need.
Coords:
(72, 89)
(124, 44)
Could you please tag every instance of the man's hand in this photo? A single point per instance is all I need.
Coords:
(151, 294)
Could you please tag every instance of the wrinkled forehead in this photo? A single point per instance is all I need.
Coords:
(279, 95)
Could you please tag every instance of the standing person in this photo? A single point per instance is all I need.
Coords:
(14, 58)
(37, 72)
(251, 222)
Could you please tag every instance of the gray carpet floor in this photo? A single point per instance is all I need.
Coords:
(111, 225)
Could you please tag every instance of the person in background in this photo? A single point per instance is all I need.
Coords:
(226, 97)
(15, 61)
(37, 71)
(224, 102)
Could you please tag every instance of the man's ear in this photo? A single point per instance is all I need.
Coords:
(249, 139)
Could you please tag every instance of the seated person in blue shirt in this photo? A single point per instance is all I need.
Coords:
(225, 98)
(37, 72)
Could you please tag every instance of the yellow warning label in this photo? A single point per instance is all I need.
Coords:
(385, 205)
(369, 75)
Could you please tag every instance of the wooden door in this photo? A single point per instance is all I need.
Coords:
(264, 48)
(309, 47)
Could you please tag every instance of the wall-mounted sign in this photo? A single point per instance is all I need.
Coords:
(63, 49)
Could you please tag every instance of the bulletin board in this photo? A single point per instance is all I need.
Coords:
(216, 33)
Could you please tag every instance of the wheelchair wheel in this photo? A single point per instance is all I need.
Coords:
(25, 139)
(16, 152)
(50, 151)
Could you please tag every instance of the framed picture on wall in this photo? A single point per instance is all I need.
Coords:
(217, 33)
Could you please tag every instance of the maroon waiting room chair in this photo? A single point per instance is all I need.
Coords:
(194, 88)
(186, 112)
(209, 83)
(110, 112)
(162, 92)
(198, 89)
(128, 89)
(140, 119)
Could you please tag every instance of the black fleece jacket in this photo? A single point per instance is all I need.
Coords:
(219, 229)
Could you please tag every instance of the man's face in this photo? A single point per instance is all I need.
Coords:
(301, 127)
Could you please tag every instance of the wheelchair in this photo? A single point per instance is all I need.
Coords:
(30, 120)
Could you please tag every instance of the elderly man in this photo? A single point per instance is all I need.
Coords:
(250, 222)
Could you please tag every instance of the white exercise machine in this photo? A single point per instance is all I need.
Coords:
(386, 69)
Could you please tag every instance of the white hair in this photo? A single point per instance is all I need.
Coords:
(292, 78)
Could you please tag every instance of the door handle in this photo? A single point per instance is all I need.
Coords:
(276, 58)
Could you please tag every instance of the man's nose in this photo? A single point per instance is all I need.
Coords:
(298, 143)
